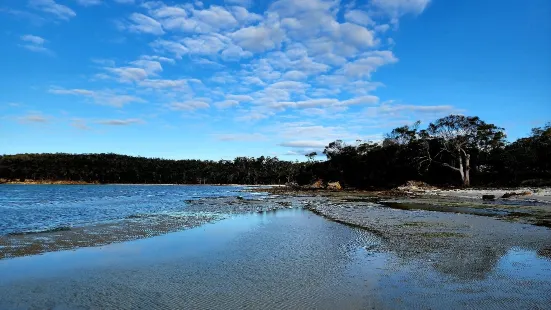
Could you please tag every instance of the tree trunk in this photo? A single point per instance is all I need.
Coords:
(461, 171)
(466, 174)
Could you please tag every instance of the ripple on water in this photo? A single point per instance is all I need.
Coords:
(289, 259)
(31, 208)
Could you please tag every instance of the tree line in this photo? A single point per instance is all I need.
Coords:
(454, 150)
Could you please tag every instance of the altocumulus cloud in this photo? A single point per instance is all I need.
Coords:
(35, 44)
(34, 118)
(57, 10)
(121, 122)
(303, 72)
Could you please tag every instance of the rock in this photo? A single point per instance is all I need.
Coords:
(334, 186)
(488, 197)
(512, 194)
(292, 185)
(318, 184)
(414, 186)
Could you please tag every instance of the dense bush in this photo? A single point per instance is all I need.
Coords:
(455, 150)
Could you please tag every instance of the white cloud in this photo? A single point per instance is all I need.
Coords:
(216, 17)
(82, 92)
(172, 47)
(324, 102)
(129, 74)
(99, 97)
(121, 122)
(226, 104)
(290, 85)
(316, 102)
(34, 118)
(245, 3)
(35, 44)
(304, 144)
(307, 18)
(141, 23)
(164, 84)
(240, 137)
(361, 100)
(400, 110)
(308, 135)
(158, 58)
(33, 39)
(80, 124)
(32, 18)
(359, 17)
(357, 36)
(152, 67)
(50, 6)
(310, 60)
(252, 116)
(190, 105)
(89, 2)
(235, 53)
(368, 63)
(169, 11)
(178, 18)
(294, 75)
(240, 98)
(397, 8)
(382, 28)
(244, 16)
(223, 78)
(117, 100)
(204, 44)
(258, 38)
(207, 62)
(261, 69)
(253, 80)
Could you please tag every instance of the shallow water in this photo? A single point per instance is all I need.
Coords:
(289, 259)
(36, 208)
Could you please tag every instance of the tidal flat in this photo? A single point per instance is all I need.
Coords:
(285, 250)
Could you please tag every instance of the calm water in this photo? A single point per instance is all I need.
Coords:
(31, 208)
(289, 259)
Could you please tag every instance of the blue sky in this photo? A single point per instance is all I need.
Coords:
(220, 79)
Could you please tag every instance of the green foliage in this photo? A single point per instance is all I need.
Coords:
(112, 168)
(405, 154)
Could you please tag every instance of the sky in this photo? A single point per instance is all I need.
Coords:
(221, 79)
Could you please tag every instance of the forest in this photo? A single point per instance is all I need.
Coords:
(455, 150)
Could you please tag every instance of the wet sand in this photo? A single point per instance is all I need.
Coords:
(289, 259)
(353, 250)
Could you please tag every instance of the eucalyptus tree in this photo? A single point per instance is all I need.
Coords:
(452, 141)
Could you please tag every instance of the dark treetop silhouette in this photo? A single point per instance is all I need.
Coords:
(455, 149)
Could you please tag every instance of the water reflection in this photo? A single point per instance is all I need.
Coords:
(288, 259)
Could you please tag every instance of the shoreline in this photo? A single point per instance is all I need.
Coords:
(407, 220)
(134, 227)
(51, 182)
(285, 259)
(301, 189)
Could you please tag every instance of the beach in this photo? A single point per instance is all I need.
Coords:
(283, 249)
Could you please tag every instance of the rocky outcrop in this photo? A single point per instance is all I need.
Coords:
(335, 186)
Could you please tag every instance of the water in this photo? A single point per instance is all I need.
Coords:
(288, 259)
(33, 208)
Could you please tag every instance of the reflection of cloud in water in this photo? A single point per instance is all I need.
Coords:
(522, 264)
(469, 263)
